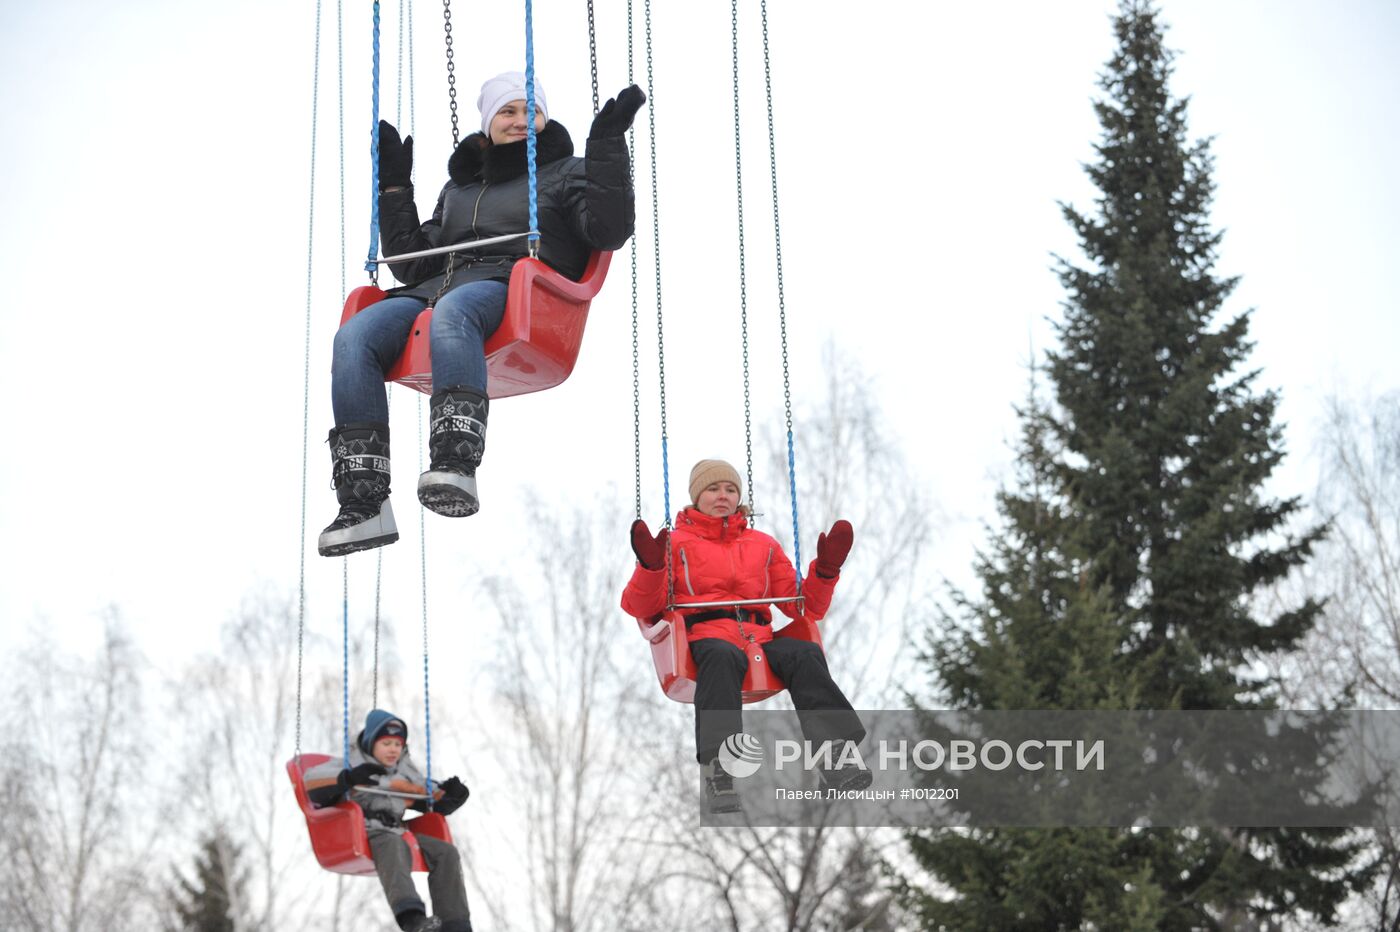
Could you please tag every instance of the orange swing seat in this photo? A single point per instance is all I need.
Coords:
(537, 343)
(675, 667)
(338, 835)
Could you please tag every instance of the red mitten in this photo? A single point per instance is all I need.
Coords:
(651, 551)
(832, 548)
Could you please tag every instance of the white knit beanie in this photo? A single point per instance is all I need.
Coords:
(501, 90)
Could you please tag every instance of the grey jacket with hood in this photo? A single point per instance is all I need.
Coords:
(381, 812)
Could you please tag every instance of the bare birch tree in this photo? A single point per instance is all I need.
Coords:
(81, 785)
(238, 711)
(1353, 655)
(579, 734)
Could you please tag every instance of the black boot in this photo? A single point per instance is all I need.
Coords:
(360, 472)
(415, 920)
(456, 440)
(418, 922)
(848, 776)
(720, 795)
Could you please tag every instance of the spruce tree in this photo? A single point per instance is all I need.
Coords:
(207, 902)
(1136, 533)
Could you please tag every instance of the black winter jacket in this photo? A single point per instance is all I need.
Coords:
(584, 204)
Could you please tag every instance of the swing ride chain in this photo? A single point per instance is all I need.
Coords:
(370, 265)
(378, 580)
(656, 240)
(782, 305)
(636, 358)
(398, 88)
(306, 372)
(743, 273)
(451, 69)
(423, 588)
(593, 55)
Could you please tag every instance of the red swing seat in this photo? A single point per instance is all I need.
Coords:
(338, 835)
(675, 667)
(537, 343)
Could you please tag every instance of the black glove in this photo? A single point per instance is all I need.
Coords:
(454, 793)
(358, 776)
(395, 158)
(617, 115)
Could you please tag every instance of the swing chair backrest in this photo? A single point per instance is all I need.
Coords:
(675, 667)
(338, 835)
(537, 343)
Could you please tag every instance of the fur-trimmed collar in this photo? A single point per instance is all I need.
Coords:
(477, 160)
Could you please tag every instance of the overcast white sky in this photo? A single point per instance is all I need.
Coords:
(154, 185)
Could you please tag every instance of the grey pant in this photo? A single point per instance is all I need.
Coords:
(394, 864)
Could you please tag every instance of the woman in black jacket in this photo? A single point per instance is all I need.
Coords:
(585, 204)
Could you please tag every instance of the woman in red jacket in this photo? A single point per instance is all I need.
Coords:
(717, 557)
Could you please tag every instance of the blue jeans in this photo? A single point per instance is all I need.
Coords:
(370, 341)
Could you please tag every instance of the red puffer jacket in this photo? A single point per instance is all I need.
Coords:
(719, 559)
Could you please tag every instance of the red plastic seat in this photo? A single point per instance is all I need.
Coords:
(338, 835)
(535, 346)
(675, 667)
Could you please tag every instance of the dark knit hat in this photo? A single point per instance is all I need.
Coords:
(707, 472)
(382, 724)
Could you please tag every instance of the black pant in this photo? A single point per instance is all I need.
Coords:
(719, 687)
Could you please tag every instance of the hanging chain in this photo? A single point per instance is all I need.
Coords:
(451, 72)
(782, 304)
(632, 241)
(340, 75)
(593, 54)
(398, 101)
(656, 242)
(371, 266)
(306, 373)
(378, 580)
(423, 582)
(743, 272)
(344, 563)
(345, 655)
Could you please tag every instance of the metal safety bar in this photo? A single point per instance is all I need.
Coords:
(379, 792)
(460, 247)
(740, 602)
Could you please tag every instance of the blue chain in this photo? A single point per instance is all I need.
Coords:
(666, 480)
(534, 240)
(427, 720)
(782, 303)
(345, 656)
(370, 265)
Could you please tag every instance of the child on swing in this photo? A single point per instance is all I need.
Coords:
(379, 760)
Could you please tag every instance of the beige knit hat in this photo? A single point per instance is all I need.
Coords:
(707, 472)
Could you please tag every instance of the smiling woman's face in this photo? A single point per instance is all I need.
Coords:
(508, 125)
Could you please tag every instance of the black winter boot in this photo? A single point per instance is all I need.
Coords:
(720, 795)
(456, 440)
(415, 920)
(848, 776)
(360, 472)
